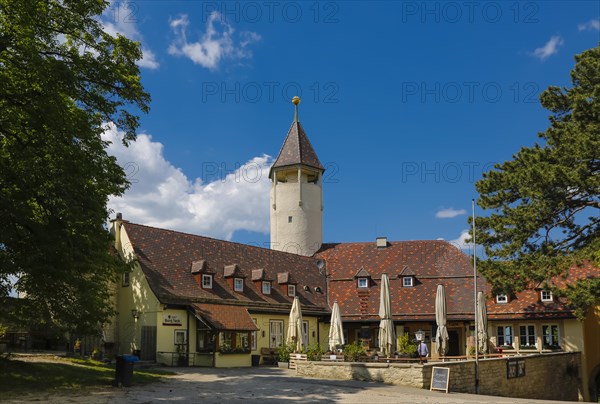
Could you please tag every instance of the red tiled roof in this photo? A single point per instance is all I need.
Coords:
(225, 317)
(432, 262)
(528, 304)
(166, 257)
(296, 150)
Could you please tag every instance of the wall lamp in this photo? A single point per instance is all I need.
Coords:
(135, 314)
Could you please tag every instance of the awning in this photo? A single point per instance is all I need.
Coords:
(225, 317)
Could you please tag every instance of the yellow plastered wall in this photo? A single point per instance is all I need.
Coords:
(137, 295)
(165, 333)
(591, 359)
(263, 320)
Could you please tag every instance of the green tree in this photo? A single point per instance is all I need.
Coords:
(545, 202)
(62, 80)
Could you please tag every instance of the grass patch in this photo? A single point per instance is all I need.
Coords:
(18, 378)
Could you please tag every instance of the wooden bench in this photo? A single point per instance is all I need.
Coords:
(294, 357)
(269, 355)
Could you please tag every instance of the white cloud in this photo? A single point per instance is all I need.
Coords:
(161, 195)
(591, 25)
(148, 60)
(216, 44)
(120, 18)
(549, 49)
(450, 213)
(463, 241)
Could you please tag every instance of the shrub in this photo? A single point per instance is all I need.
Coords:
(406, 345)
(352, 352)
(284, 352)
(314, 352)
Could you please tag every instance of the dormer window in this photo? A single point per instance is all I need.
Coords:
(546, 296)
(291, 289)
(363, 282)
(501, 298)
(238, 284)
(407, 281)
(206, 281)
(266, 288)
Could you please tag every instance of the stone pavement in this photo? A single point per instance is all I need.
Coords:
(268, 385)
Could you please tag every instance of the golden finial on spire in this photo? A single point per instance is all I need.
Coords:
(296, 101)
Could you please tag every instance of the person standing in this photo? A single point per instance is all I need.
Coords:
(422, 350)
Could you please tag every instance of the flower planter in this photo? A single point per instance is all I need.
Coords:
(284, 365)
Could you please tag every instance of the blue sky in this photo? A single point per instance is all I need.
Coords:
(406, 104)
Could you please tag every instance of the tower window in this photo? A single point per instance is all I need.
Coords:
(289, 219)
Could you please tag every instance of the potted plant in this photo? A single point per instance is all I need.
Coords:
(283, 355)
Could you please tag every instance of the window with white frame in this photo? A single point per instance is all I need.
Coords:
(275, 333)
(527, 336)
(501, 298)
(550, 337)
(546, 296)
(504, 335)
(126, 277)
(180, 337)
(291, 290)
(363, 282)
(407, 281)
(238, 284)
(266, 288)
(207, 281)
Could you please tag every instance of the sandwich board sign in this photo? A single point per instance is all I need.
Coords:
(440, 378)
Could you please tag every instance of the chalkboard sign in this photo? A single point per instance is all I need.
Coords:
(440, 378)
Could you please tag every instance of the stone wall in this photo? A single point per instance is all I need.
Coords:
(553, 376)
(400, 374)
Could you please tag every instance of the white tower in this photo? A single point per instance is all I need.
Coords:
(297, 194)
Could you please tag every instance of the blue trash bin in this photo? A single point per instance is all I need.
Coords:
(124, 370)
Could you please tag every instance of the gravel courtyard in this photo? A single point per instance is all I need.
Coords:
(265, 385)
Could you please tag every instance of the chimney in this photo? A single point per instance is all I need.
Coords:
(381, 242)
(119, 216)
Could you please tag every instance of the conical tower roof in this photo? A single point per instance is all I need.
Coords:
(296, 149)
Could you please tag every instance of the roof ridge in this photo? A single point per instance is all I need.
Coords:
(389, 241)
(217, 239)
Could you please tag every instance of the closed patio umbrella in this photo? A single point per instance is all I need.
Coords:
(294, 334)
(387, 337)
(441, 336)
(336, 332)
(482, 323)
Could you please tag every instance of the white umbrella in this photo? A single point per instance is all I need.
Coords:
(387, 338)
(481, 323)
(294, 334)
(441, 336)
(336, 332)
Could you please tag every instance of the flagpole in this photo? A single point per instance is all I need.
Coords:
(475, 302)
